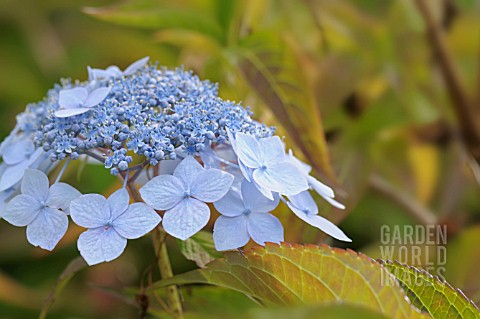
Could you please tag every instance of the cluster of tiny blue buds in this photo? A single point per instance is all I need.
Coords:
(151, 113)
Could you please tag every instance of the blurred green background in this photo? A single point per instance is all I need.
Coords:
(382, 98)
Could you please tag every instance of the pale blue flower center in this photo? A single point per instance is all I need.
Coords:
(186, 195)
(108, 225)
(247, 212)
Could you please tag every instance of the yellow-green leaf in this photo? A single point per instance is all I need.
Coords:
(290, 275)
(431, 294)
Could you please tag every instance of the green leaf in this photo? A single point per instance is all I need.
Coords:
(432, 295)
(463, 258)
(199, 248)
(153, 17)
(215, 302)
(72, 268)
(291, 275)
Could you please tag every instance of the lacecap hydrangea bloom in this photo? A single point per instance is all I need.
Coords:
(176, 145)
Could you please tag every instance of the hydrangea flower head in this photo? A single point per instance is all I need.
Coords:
(176, 145)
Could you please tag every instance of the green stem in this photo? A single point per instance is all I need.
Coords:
(173, 296)
(159, 236)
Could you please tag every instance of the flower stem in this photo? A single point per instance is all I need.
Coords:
(173, 296)
(159, 236)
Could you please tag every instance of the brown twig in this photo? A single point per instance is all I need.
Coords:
(462, 104)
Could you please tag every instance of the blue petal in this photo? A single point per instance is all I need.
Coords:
(97, 96)
(38, 158)
(72, 98)
(138, 220)
(35, 183)
(273, 149)
(230, 232)
(231, 204)
(91, 74)
(186, 219)
(264, 227)
(321, 223)
(211, 185)
(163, 192)
(303, 167)
(226, 152)
(265, 192)
(168, 167)
(60, 195)
(334, 203)
(100, 244)
(113, 71)
(283, 178)
(48, 228)
(246, 172)
(248, 150)
(237, 176)
(231, 139)
(322, 189)
(304, 202)
(118, 202)
(4, 199)
(255, 201)
(90, 211)
(94, 74)
(135, 66)
(208, 158)
(22, 210)
(188, 170)
(12, 175)
(16, 151)
(71, 112)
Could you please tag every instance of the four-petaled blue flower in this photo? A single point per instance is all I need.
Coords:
(42, 209)
(111, 222)
(267, 165)
(245, 215)
(306, 209)
(183, 196)
(79, 100)
(114, 71)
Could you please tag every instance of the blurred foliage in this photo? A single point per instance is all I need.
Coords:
(355, 87)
